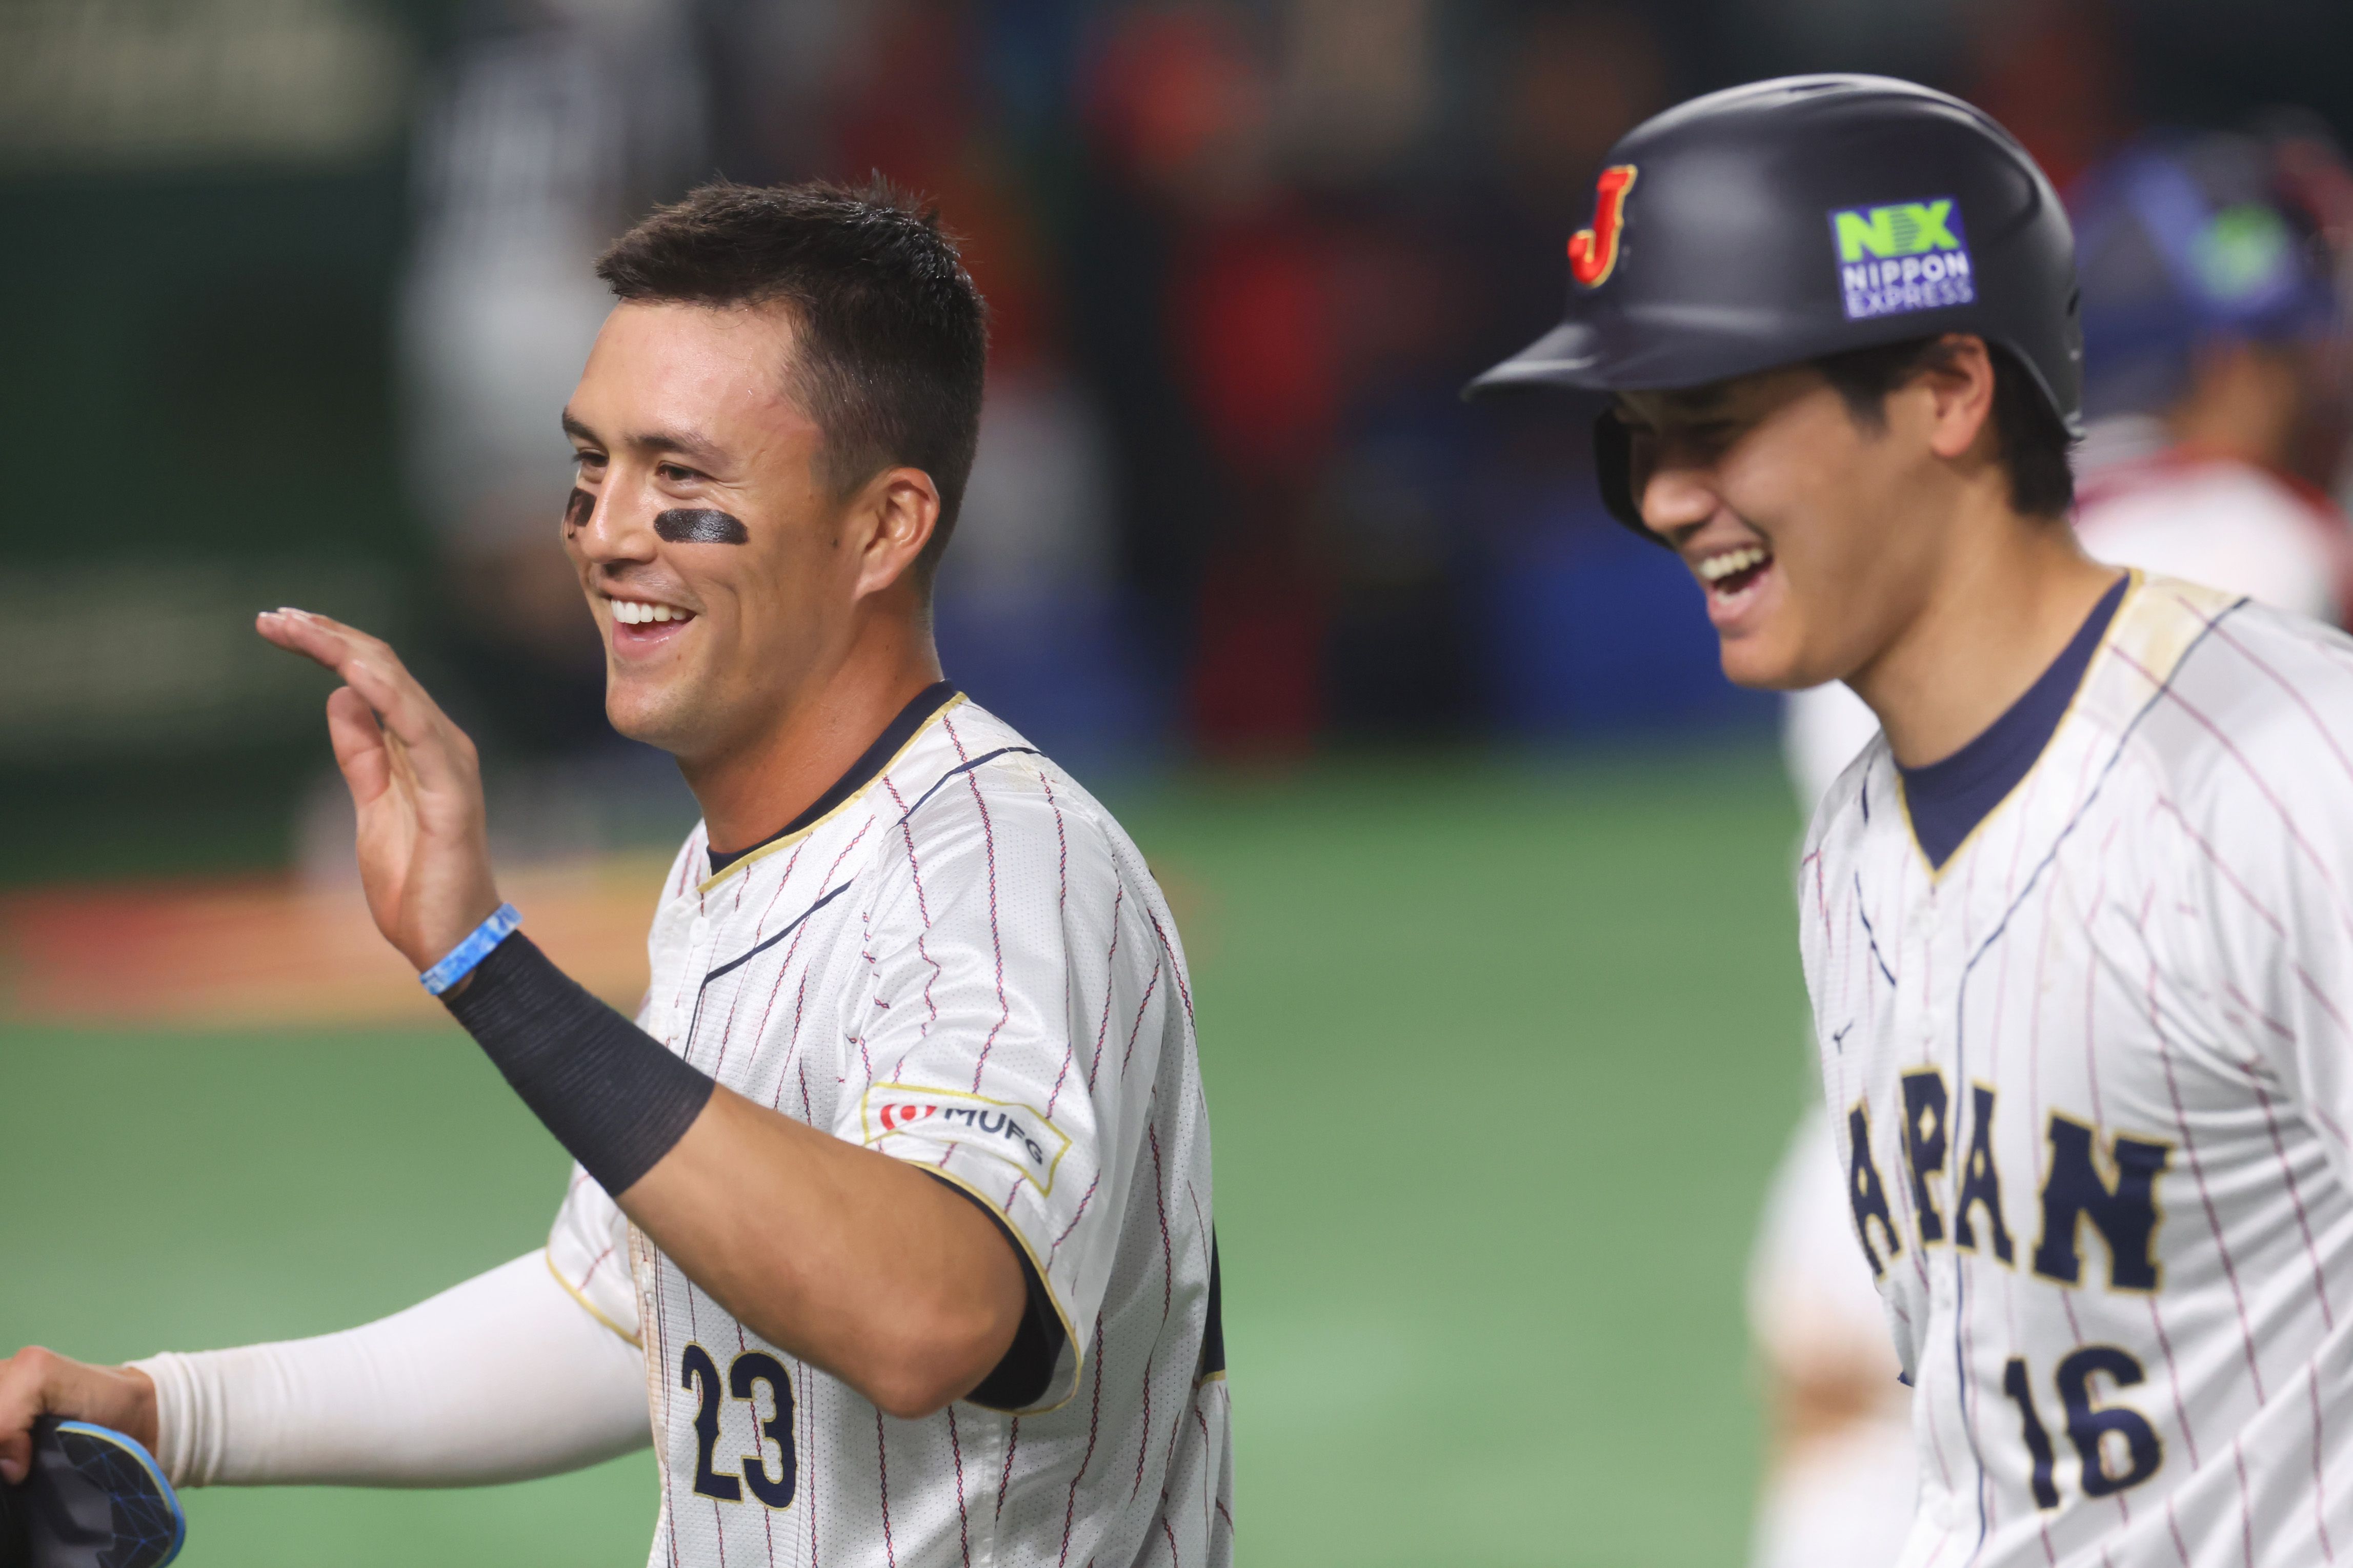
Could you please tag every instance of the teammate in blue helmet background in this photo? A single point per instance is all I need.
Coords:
(2214, 360)
(2198, 250)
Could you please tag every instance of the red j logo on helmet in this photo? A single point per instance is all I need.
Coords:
(1593, 252)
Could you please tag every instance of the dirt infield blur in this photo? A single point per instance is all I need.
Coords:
(213, 954)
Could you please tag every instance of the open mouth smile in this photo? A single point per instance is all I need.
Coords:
(644, 625)
(1732, 578)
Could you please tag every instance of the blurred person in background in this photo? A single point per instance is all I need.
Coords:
(1579, 629)
(1199, 286)
(2215, 347)
(2214, 386)
(1358, 90)
(1840, 1479)
(547, 125)
(1029, 611)
(1174, 109)
(551, 123)
(2055, 72)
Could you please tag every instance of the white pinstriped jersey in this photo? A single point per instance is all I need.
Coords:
(2092, 1084)
(966, 965)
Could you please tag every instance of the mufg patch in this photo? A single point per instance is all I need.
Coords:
(1021, 1135)
(1905, 255)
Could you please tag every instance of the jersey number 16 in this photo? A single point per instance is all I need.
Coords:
(2117, 1447)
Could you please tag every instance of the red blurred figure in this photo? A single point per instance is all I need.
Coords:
(2053, 72)
(1181, 104)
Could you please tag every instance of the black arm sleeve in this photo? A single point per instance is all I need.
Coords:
(618, 1101)
(611, 1093)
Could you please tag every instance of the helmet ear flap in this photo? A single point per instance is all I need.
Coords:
(1613, 468)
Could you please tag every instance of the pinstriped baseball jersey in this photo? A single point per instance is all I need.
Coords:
(2092, 1081)
(965, 965)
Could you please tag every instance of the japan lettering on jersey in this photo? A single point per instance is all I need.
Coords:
(966, 965)
(2091, 1082)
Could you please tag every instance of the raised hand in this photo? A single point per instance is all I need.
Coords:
(423, 842)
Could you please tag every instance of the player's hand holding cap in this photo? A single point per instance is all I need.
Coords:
(93, 1499)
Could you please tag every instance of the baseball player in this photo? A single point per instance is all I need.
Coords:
(2211, 332)
(2213, 338)
(892, 1206)
(2078, 925)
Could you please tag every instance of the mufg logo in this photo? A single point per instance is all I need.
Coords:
(1906, 256)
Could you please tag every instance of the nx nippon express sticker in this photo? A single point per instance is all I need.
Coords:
(1905, 255)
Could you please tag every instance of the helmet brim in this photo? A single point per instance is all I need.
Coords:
(1570, 356)
(1669, 348)
(1660, 347)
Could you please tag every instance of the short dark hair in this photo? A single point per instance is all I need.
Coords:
(2028, 435)
(892, 335)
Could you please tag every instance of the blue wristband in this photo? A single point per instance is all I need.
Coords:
(472, 950)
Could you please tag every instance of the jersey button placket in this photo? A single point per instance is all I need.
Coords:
(685, 996)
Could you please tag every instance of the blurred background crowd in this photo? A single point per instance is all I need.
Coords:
(298, 287)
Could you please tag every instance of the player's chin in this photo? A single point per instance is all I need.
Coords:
(645, 709)
(1759, 633)
(1761, 660)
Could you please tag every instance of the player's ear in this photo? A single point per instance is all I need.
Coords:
(897, 511)
(1960, 381)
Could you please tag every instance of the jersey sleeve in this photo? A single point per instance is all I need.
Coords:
(2267, 852)
(589, 1253)
(1022, 984)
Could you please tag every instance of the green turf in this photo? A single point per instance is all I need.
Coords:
(1498, 1056)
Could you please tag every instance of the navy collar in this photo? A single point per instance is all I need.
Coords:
(1948, 799)
(863, 772)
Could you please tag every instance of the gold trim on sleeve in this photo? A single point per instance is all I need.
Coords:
(585, 1304)
(1069, 1336)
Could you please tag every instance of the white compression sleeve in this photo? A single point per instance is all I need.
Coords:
(502, 1378)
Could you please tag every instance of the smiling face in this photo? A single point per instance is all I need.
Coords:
(1814, 538)
(727, 578)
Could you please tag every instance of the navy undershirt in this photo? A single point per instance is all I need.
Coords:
(1946, 800)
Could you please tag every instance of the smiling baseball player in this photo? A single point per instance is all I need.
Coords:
(2078, 925)
(2212, 327)
(894, 1200)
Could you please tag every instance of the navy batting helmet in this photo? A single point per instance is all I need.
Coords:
(1785, 220)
